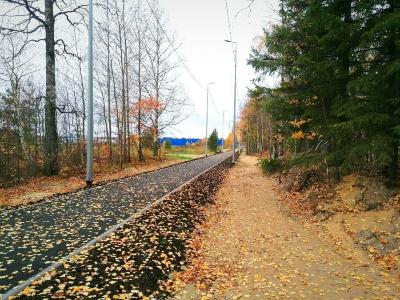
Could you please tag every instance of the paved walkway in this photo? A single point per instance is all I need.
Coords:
(250, 249)
(35, 236)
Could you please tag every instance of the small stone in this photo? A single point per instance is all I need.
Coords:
(365, 234)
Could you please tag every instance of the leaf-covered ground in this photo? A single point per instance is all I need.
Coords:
(249, 248)
(35, 236)
(35, 189)
(133, 261)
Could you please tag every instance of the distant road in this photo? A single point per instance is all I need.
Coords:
(35, 236)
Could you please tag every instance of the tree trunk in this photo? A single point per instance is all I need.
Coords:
(394, 93)
(51, 138)
(21, 137)
(123, 113)
(109, 87)
(126, 84)
(117, 115)
(139, 125)
(156, 142)
(394, 162)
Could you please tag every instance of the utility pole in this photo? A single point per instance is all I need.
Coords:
(223, 123)
(230, 128)
(234, 101)
(234, 108)
(89, 135)
(206, 146)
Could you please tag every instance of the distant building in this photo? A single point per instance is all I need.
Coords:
(179, 142)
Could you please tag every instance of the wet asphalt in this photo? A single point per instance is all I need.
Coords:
(35, 236)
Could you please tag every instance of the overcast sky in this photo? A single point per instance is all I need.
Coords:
(201, 28)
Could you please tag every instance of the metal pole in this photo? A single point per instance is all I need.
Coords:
(206, 146)
(222, 133)
(234, 109)
(89, 135)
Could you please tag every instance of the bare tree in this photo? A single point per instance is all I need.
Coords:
(21, 99)
(169, 103)
(141, 27)
(104, 61)
(28, 17)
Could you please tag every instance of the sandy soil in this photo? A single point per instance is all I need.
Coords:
(250, 249)
(36, 189)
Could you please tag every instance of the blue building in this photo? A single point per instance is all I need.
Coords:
(179, 142)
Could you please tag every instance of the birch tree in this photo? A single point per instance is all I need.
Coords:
(140, 29)
(38, 23)
(168, 102)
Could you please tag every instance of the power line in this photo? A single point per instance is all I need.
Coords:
(229, 20)
(229, 25)
(180, 57)
(214, 105)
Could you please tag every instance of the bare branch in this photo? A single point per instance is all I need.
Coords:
(33, 11)
(245, 8)
(75, 10)
(65, 49)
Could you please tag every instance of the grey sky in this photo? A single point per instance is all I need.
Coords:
(201, 28)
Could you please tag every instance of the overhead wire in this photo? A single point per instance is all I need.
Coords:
(229, 26)
(214, 105)
(179, 56)
(228, 19)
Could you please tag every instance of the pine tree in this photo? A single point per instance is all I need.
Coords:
(339, 62)
(213, 141)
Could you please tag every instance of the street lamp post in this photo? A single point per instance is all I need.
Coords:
(234, 101)
(223, 123)
(89, 135)
(206, 146)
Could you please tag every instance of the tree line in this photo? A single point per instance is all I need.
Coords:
(43, 67)
(338, 96)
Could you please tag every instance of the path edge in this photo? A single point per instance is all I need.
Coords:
(6, 209)
(20, 287)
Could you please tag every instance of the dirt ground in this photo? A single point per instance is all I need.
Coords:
(38, 188)
(249, 248)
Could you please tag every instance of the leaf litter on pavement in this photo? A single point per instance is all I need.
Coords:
(133, 262)
(35, 236)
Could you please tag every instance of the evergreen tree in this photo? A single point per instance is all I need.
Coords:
(168, 145)
(339, 62)
(213, 141)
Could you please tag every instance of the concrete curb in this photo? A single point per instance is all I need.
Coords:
(17, 289)
(95, 185)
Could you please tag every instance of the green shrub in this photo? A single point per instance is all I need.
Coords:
(271, 166)
(305, 160)
(168, 145)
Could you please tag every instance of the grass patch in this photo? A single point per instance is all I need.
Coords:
(179, 156)
(197, 149)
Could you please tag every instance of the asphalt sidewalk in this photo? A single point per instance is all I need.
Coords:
(35, 236)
